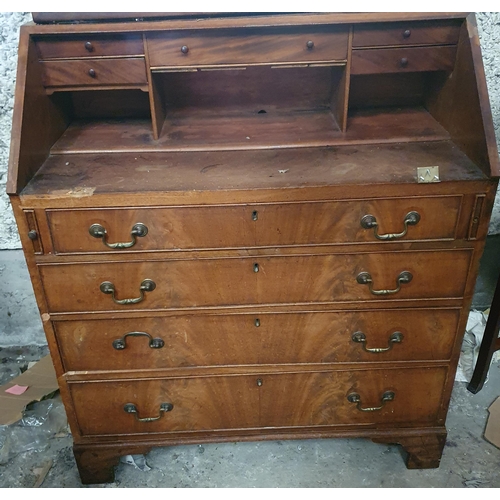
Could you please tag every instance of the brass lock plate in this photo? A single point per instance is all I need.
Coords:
(427, 174)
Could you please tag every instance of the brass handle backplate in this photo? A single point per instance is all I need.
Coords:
(370, 222)
(138, 230)
(154, 343)
(360, 337)
(354, 397)
(146, 286)
(365, 278)
(131, 408)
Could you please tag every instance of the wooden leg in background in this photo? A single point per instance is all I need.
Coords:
(489, 344)
(422, 452)
(96, 463)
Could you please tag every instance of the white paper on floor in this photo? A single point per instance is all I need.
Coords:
(473, 337)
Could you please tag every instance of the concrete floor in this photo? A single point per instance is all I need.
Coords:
(468, 460)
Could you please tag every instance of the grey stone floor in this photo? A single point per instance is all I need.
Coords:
(468, 460)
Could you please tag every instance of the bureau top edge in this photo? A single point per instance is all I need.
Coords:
(239, 21)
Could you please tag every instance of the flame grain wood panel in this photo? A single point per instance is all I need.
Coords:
(201, 403)
(256, 338)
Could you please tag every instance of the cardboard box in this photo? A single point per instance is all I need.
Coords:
(40, 379)
(492, 432)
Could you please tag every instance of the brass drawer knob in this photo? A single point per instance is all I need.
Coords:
(370, 222)
(310, 44)
(139, 230)
(404, 62)
(355, 398)
(184, 49)
(92, 73)
(89, 47)
(131, 408)
(360, 337)
(365, 278)
(109, 289)
(406, 33)
(154, 343)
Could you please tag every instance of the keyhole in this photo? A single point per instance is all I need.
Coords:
(256, 268)
(257, 322)
(259, 382)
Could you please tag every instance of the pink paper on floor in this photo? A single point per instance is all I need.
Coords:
(17, 390)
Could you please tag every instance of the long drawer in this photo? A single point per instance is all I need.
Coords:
(204, 227)
(260, 338)
(163, 284)
(188, 48)
(259, 401)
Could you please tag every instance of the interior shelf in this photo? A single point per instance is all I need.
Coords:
(189, 130)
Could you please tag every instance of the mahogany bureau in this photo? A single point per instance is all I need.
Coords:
(253, 227)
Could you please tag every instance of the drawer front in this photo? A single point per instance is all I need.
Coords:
(127, 71)
(250, 47)
(167, 228)
(406, 33)
(90, 46)
(397, 60)
(253, 339)
(256, 401)
(254, 225)
(255, 280)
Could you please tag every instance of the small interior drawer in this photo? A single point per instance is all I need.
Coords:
(406, 33)
(126, 71)
(251, 47)
(403, 59)
(90, 46)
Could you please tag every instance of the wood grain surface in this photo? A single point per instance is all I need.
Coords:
(253, 46)
(257, 338)
(407, 33)
(279, 280)
(253, 225)
(238, 402)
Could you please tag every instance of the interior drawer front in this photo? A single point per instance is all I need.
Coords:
(254, 339)
(407, 33)
(255, 280)
(90, 45)
(254, 225)
(253, 401)
(73, 73)
(403, 59)
(250, 47)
